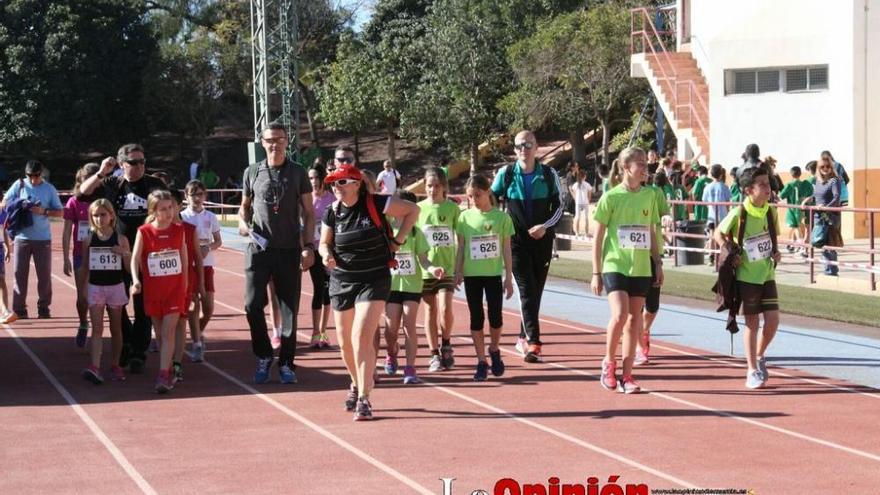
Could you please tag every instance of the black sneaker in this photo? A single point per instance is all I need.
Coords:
(81, 334)
(497, 363)
(44, 314)
(364, 411)
(482, 371)
(351, 399)
(135, 366)
(446, 357)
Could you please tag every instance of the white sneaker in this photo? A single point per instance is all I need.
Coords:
(522, 346)
(754, 379)
(762, 367)
(434, 365)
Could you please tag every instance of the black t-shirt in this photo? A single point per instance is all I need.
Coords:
(276, 193)
(130, 201)
(359, 247)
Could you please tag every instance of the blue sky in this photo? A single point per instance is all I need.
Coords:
(364, 11)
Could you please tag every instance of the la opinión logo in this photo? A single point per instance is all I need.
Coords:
(510, 486)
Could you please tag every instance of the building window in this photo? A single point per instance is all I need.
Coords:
(788, 79)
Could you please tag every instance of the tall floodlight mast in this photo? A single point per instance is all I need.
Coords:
(273, 52)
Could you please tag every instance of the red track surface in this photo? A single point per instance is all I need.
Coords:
(217, 433)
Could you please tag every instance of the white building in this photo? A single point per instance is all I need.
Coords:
(794, 76)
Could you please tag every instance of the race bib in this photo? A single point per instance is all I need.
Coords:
(634, 236)
(759, 247)
(439, 236)
(406, 264)
(259, 240)
(485, 247)
(103, 258)
(164, 263)
(82, 230)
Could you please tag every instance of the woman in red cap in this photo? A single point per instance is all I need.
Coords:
(356, 245)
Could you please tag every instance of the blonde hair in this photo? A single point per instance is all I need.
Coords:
(153, 202)
(825, 159)
(93, 208)
(625, 157)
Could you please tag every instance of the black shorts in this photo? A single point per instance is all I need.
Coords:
(344, 295)
(757, 298)
(435, 285)
(474, 288)
(652, 300)
(634, 286)
(398, 297)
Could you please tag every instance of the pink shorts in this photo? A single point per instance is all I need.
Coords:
(107, 295)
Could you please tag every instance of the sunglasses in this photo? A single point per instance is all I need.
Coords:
(524, 145)
(344, 159)
(344, 182)
(136, 162)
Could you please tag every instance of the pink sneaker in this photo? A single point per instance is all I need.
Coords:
(117, 374)
(641, 357)
(629, 386)
(608, 378)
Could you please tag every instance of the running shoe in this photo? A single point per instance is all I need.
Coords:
(315, 342)
(522, 346)
(390, 365)
(136, 366)
(628, 385)
(496, 363)
(11, 317)
(93, 374)
(197, 354)
(81, 333)
(43, 314)
(286, 374)
(608, 379)
(434, 364)
(164, 382)
(276, 342)
(117, 374)
(176, 373)
(154, 345)
(447, 360)
(324, 340)
(351, 399)
(754, 379)
(641, 357)
(482, 371)
(409, 376)
(534, 354)
(364, 410)
(262, 373)
(762, 367)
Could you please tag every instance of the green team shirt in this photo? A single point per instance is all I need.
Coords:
(662, 208)
(408, 275)
(676, 194)
(700, 212)
(438, 222)
(629, 218)
(735, 194)
(760, 270)
(483, 236)
(794, 192)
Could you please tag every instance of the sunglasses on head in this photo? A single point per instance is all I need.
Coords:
(344, 159)
(524, 145)
(344, 182)
(140, 161)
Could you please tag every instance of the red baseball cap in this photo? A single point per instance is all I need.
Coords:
(344, 171)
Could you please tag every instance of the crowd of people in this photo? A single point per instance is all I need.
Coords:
(373, 253)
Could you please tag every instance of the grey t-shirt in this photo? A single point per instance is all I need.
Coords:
(276, 193)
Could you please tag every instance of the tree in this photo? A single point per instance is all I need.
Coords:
(71, 72)
(464, 75)
(574, 71)
(347, 95)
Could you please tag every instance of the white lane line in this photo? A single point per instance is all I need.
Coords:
(84, 416)
(316, 428)
(695, 405)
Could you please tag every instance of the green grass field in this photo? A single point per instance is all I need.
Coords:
(831, 305)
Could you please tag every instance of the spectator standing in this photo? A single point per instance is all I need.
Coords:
(388, 179)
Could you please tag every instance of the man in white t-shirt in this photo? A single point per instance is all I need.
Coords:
(388, 179)
(194, 169)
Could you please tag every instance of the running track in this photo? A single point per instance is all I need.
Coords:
(217, 433)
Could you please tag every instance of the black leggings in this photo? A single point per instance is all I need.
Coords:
(320, 283)
(473, 289)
